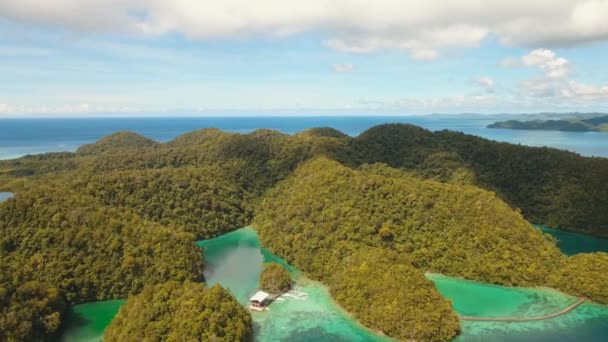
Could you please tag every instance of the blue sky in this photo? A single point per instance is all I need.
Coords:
(194, 57)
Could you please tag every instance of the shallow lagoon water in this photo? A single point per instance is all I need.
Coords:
(588, 322)
(235, 261)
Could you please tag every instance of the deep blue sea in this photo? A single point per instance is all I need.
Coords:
(19, 137)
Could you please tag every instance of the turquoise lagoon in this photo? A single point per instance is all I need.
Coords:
(235, 261)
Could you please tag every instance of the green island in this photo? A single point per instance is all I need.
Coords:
(594, 124)
(368, 217)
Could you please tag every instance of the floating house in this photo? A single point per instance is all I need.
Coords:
(259, 301)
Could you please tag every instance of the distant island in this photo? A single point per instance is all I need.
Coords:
(594, 124)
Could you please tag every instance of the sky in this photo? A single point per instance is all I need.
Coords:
(149, 57)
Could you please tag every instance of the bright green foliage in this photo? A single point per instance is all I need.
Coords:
(386, 293)
(181, 312)
(275, 279)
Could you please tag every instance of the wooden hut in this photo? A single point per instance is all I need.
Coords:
(259, 301)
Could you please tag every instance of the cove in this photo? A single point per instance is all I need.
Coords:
(87, 322)
(235, 261)
(573, 243)
(588, 322)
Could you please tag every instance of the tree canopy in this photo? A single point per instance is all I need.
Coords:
(181, 312)
(275, 279)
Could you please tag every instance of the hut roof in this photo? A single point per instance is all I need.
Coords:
(259, 296)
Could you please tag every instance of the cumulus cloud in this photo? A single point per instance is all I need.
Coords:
(548, 62)
(585, 92)
(421, 29)
(343, 67)
(554, 82)
(486, 84)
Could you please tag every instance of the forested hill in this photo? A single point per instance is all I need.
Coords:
(552, 187)
(116, 142)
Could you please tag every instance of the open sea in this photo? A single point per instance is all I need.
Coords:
(19, 137)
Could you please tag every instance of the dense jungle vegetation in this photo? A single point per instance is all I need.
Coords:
(175, 312)
(386, 293)
(551, 187)
(123, 213)
(325, 210)
(58, 245)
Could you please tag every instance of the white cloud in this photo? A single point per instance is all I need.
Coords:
(486, 84)
(422, 29)
(548, 62)
(554, 84)
(343, 67)
(580, 92)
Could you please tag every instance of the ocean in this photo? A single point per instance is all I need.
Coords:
(19, 137)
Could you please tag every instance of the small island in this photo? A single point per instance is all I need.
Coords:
(595, 124)
(274, 281)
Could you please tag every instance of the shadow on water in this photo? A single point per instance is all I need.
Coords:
(573, 243)
(74, 321)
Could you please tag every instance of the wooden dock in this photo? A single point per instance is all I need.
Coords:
(530, 319)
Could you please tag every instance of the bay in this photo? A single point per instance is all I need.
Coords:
(87, 322)
(235, 261)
